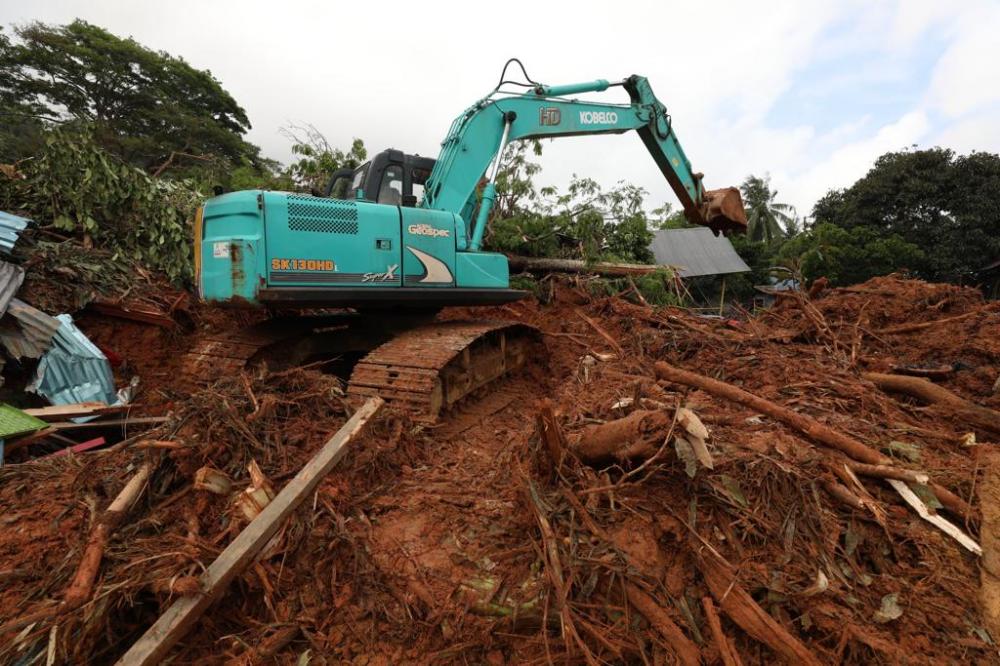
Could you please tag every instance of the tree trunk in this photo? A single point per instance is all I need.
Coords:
(926, 391)
(544, 265)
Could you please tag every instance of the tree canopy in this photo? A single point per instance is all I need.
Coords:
(767, 219)
(148, 107)
(946, 205)
(587, 221)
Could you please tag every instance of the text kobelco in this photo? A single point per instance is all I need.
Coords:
(598, 117)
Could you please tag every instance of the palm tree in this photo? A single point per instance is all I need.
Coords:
(767, 219)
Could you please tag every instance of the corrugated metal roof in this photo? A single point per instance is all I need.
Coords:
(11, 277)
(74, 369)
(11, 227)
(695, 252)
(26, 331)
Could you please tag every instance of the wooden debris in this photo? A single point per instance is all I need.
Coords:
(684, 649)
(989, 570)
(212, 480)
(61, 412)
(257, 495)
(77, 448)
(113, 423)
(552, 436)
(112, 309)
(913, 328)
(744, 611)
(929, 392)
(153, 646)
(604, 334)
(938, 521)
(636, 436)
(543, 265)
(82, 586)
(936, 372)
(806, 425)
(268, 649)
(728, 654)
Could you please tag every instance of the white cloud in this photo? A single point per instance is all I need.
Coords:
(397, 75)
(967, 77)
(976, 132)
(852, 160)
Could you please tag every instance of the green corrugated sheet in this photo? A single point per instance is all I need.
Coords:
(15, 422)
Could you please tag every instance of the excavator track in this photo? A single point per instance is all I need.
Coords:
(430, 368)
(425, 368)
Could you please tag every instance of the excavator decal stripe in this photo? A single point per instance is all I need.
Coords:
(287, 276)
(435, 270)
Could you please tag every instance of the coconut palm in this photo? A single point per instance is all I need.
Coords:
(767, 219)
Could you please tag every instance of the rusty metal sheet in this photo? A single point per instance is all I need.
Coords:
(11, 277)
(25, 331)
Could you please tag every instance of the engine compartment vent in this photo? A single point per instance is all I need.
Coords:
(330, 216)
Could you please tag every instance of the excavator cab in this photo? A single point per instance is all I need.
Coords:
(391, 177)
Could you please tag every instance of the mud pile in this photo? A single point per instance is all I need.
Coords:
(496, 536)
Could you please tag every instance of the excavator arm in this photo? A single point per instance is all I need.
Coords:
(478, 136)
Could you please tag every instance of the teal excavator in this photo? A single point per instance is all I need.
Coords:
(390, 243)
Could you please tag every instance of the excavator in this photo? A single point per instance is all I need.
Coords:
(390, 243)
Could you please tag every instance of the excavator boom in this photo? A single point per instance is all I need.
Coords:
(478, 136)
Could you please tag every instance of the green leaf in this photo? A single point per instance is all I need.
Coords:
(732, 488)
(905, 450)
(926, 495)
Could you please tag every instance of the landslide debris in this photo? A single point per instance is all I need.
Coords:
(486, 538)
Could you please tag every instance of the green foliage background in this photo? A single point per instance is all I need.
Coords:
(89, 194)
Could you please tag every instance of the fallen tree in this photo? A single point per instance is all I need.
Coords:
(929, 392)
(546, 265)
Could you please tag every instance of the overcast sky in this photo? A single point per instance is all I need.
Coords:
(809, 92)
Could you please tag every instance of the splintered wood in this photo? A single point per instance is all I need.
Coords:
(153, 646)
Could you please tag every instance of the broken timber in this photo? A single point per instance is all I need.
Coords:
(929, 392)
(82, 585)
(153, 646)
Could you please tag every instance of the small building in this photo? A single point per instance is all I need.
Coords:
(696, 252)
(989, 280)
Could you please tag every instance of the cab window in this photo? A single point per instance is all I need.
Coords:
(391, 191)
(359, 178)
(417, 179)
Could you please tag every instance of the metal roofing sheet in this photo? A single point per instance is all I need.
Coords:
(695, 252)
(11, 227)
(11, 277)
(26, 331)
(74, 369)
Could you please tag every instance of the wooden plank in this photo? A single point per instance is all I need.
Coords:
(113, 309)
(153, 646)
(77, 448)
(137, 420)
(58, 412)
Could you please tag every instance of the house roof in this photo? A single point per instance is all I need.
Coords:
(696, 251)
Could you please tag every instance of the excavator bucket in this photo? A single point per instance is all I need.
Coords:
(723, 211)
